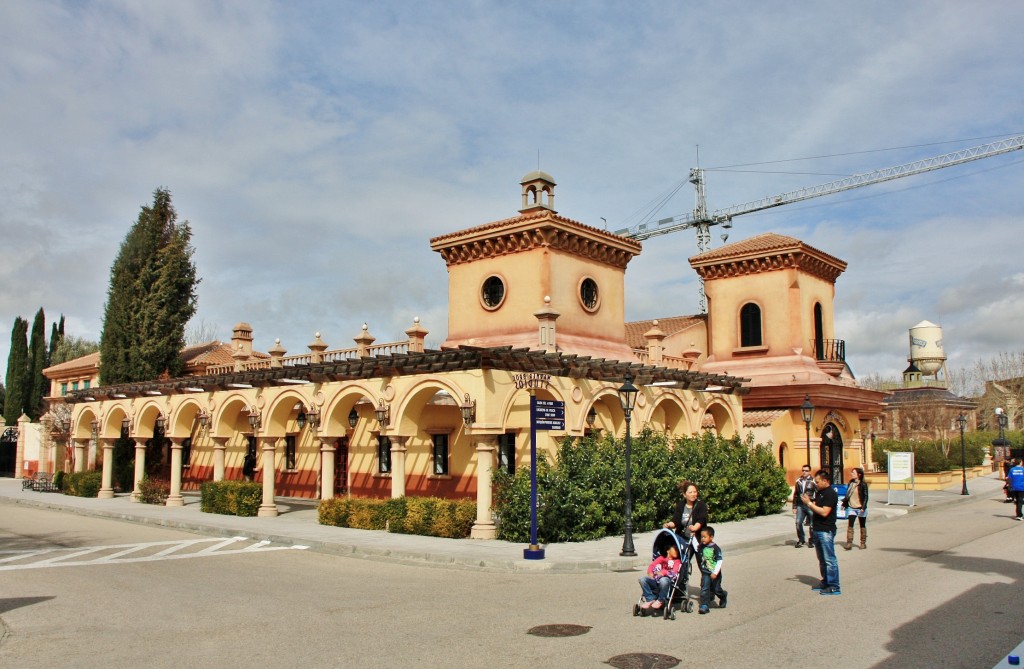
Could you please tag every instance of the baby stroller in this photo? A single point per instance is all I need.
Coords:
(677, 598)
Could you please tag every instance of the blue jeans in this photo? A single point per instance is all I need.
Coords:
(825, 547)
(649, 585)
(802, 514)
(710, 588)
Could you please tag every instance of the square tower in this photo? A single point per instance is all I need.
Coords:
(538, 280)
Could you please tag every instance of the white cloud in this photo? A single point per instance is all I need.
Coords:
(316, 147)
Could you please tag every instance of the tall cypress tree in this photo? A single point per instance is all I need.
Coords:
(17, 372)
(35, 382)
(56, 334)
(152, 296)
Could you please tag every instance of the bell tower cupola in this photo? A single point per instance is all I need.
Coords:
(538, 193)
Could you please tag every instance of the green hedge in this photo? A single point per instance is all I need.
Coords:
(581, 496)
(231, 498)
(931, 456)
(60, 481)
(427, 516)
(83, 484)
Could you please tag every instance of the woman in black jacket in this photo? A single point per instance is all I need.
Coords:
(690, 516)
(856, 503)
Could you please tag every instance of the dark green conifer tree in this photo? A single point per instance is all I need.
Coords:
(36, 384)
(17, 372)
(152, 296)
(56, 334)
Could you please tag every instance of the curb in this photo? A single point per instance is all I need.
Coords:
(433, 558)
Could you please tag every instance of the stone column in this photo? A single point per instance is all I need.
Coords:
(175, 498)
(220, 444)
(19, 455)
(107, 489)
(140, 467)
(484, 527)
(268, 507)
(326, 469)
(80, 448)
(398, 451)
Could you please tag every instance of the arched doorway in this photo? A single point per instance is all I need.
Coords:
(832, 453)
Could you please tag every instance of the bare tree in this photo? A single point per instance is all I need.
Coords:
(201, 332)
(997, 382)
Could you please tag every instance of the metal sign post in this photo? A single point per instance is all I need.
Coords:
(544, 415)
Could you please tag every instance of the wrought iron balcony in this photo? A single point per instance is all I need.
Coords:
(830, 350)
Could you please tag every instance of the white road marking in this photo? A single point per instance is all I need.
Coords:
(171, 550)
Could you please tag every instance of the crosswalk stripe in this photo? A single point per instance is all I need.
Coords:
(129, 553)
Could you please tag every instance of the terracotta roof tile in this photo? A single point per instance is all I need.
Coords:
(762, 417)
(767, 243)
(635, 330)
(90, 360)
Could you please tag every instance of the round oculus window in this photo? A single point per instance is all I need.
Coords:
(588, 294)
(493, 292)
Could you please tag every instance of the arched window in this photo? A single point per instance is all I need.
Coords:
(819, 333)
(750, 325)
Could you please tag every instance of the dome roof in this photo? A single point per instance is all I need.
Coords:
(538, 175)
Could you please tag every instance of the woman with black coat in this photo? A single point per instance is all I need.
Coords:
(856, 503)
(690, 516)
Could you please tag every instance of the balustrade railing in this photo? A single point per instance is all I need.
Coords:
(336, 355)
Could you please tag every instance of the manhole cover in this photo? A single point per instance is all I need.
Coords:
(643, 661)
(559, 630)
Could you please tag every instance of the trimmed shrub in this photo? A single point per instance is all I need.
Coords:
(427, 516)
(932, 456)
(231, 498)
(154, 491)
(59, 480)
(581, 497)
(84, 484)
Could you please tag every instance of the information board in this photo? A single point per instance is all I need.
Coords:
(548, 414)
(901, 473)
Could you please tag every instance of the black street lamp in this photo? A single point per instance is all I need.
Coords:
(627, 396)
(1003, 421)
(961, 421)
(807, 412)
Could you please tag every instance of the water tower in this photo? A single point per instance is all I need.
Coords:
(926, 352)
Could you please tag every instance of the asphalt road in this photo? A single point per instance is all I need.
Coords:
(940, 588)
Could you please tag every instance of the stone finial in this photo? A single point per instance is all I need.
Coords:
(546, 318)
(655, 344)
(277, 354)
(316, 349)
(240, 355)
(416, 334)
(363, 341)
(691, 356)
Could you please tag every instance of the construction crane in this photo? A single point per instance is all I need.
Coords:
(702, 221)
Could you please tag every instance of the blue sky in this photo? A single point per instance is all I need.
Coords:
(315, 147)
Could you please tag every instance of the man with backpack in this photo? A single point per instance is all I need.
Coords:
(1015, 483)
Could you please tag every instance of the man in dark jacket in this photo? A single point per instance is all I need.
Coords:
(823, 526)
(804, 484)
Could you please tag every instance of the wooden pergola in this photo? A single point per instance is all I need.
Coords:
(463, 358)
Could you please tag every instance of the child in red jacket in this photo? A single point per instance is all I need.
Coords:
(659, 577)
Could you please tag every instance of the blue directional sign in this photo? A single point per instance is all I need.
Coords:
(548, 414)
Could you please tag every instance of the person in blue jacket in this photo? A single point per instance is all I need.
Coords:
(1015, 480)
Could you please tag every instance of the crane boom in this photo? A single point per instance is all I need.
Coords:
(701, 220)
